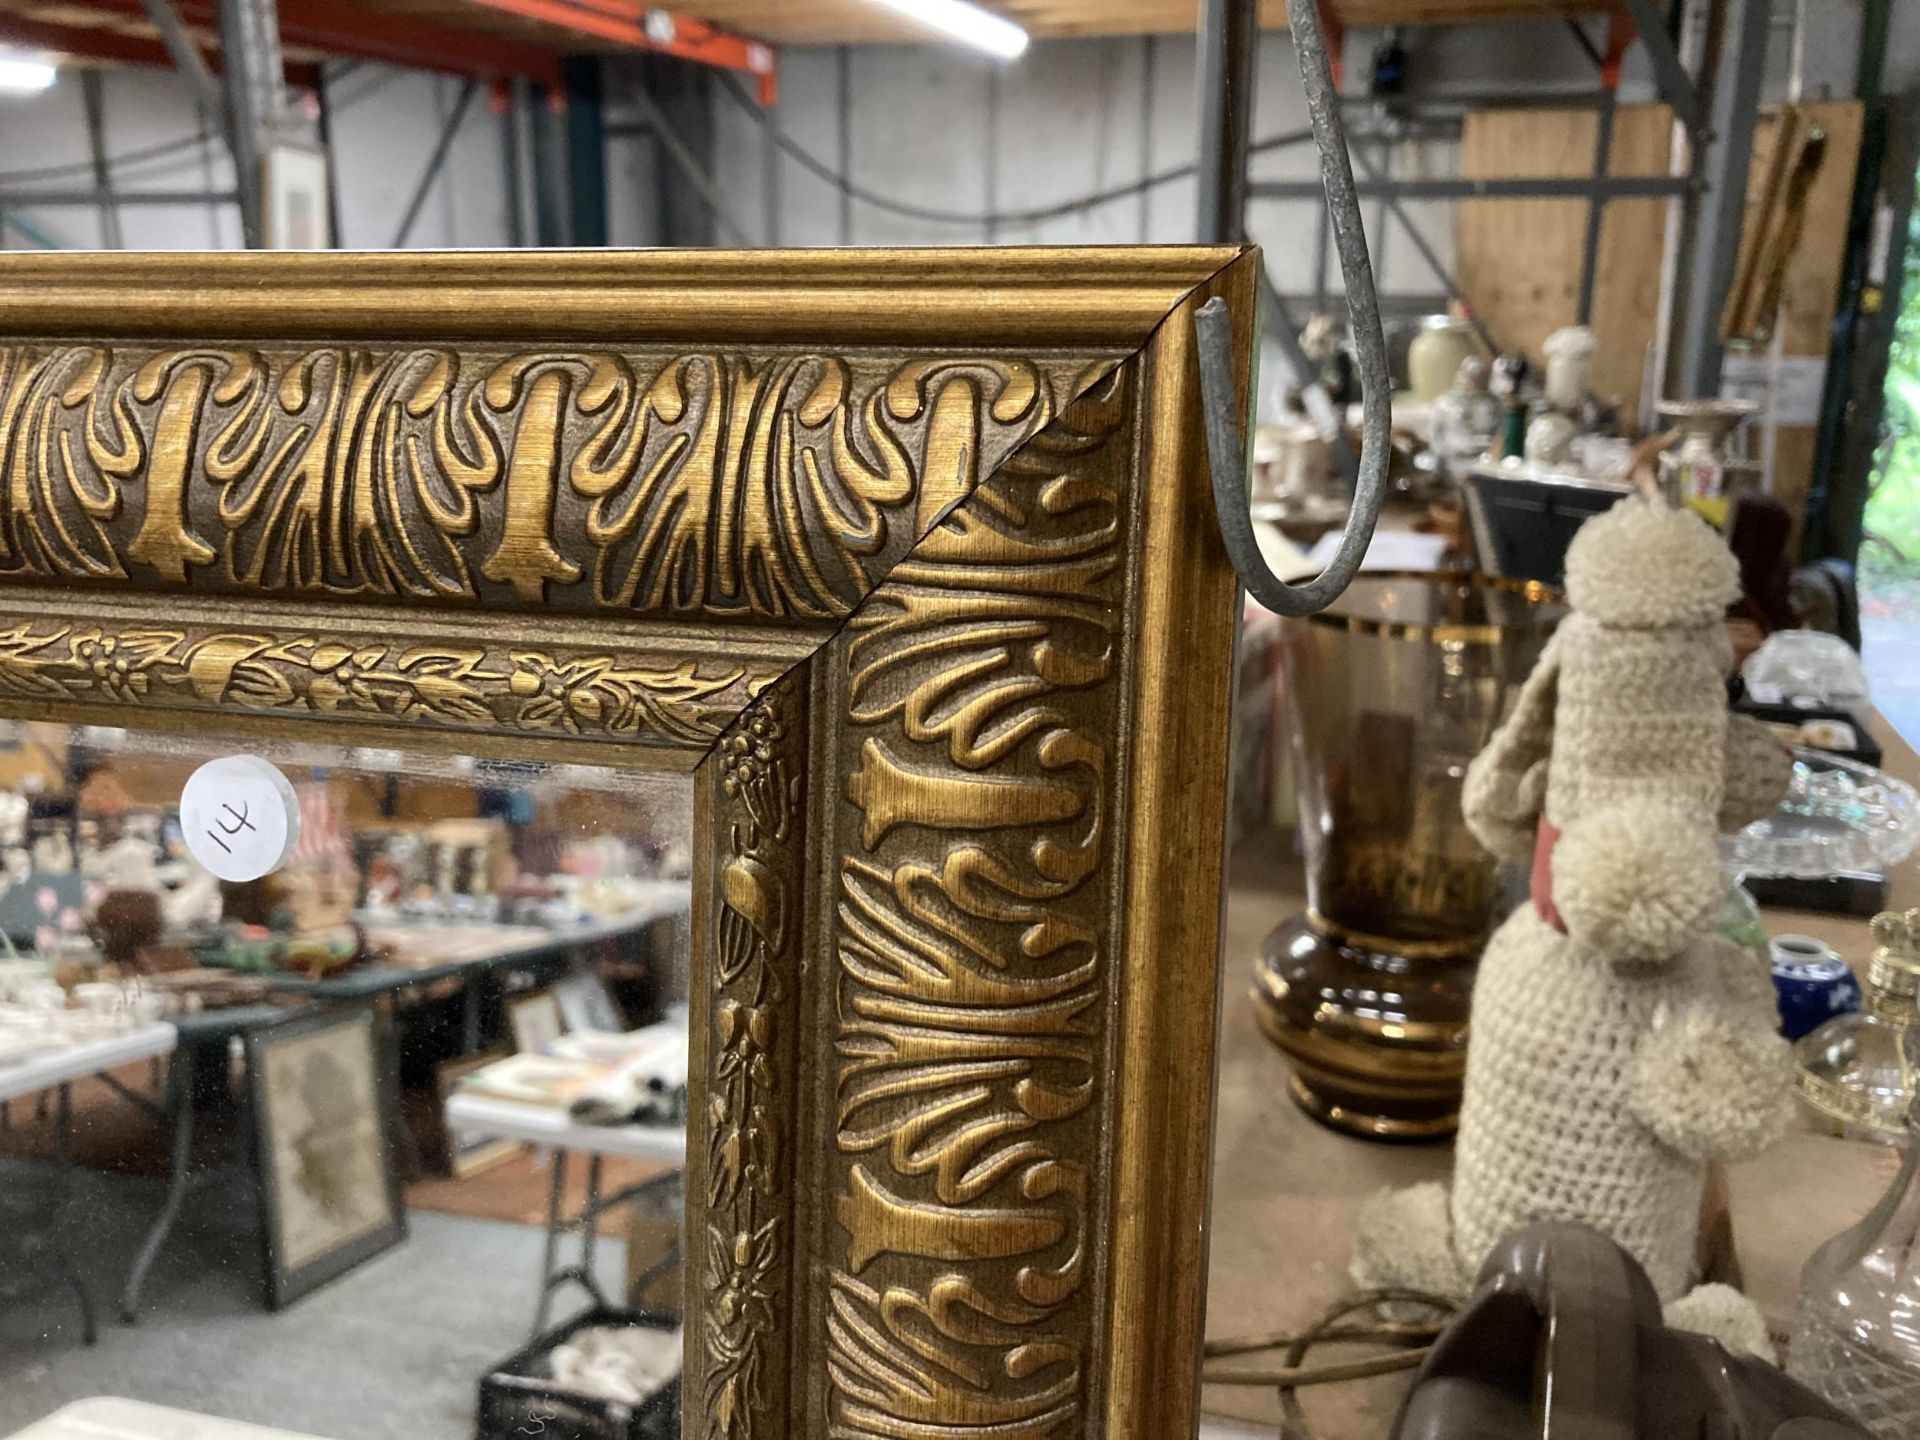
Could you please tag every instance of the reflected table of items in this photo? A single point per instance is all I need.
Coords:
(551, 1129)
(467, 954)
(196, 1078)
(55, 1071)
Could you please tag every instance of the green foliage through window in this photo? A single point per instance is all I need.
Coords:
(1893, 506)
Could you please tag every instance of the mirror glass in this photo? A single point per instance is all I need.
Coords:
(312, 1146)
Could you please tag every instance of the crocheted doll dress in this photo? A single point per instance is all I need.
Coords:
(1617, 1043)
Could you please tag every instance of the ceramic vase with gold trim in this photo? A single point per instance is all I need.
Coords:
(1390, 693)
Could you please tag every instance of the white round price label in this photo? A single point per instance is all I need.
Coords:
(240, 817)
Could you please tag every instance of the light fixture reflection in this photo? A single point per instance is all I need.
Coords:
(966, 23)
(24, 74)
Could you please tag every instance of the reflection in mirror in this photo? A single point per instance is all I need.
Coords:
(380, 1136)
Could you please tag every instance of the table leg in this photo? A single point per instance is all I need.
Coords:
(400, 1134)
(592, 1216)
(661, 1197)
(470, 1014)
(556, 1223)
(209, 1069)
(69, 1194)
(180, 1101)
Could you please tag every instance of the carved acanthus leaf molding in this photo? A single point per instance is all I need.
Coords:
(971, 957)
(774, 486)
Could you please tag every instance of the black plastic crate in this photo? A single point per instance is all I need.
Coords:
(520, 1398)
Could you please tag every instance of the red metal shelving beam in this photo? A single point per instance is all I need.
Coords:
(640, 27)
(99, 42)
(339, 27)
(89, 42)
(1621, 33)
(1335, 29)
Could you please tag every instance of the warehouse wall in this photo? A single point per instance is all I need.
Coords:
(385, 125)
(936, 127)
(931, 126)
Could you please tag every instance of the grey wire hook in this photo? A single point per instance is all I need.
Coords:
(1226, 449)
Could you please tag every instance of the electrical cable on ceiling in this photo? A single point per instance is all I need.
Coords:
(84, 168)
(972, 219)
(166, 149)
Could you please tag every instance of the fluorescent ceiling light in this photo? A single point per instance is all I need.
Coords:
(23, 74)
(968, 24)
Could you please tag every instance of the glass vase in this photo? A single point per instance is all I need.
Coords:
(1856, 1333)
(1391, 692)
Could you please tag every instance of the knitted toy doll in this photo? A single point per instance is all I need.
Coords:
(1618, 1044)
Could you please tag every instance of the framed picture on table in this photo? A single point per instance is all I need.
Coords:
(329, 1194)
(468, 1155)
(586, 1004)
(534, 1020)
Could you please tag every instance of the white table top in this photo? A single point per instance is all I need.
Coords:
(544, 1125)
(108, 1417)
(73, 1062)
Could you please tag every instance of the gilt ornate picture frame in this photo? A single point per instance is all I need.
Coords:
(909, 556)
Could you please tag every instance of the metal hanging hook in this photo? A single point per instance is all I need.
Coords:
(1226, 446)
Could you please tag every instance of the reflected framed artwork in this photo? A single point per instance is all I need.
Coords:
(909, 557)
(465, 1155)
(534, 1020)
(321, 1116)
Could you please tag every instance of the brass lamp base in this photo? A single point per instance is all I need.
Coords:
(1376, 1029)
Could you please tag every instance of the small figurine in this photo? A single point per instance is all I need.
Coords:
(1619, 1044)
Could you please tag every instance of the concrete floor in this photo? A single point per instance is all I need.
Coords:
(393, 1350)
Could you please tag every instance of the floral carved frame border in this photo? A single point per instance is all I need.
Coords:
(909, 556)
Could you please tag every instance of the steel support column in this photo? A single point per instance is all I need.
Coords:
(1620, 35)
(770, 163)
(323, 128)
(586, 149)
(1723, 204)
(1149, 55)
(95, 104)
(1670, 76)
(187, 59)
(435, 163)
(549, 169)
(250, 48)
(843, 134)
(1853, 401)
(1229, 35)
(656, 123)
(1596, 213)
(506, 104)
(990, 168)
